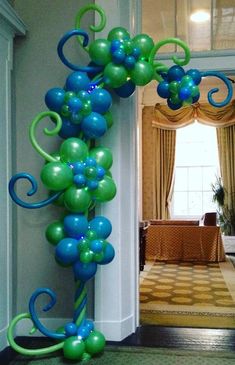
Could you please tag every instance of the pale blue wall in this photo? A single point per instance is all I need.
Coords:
(37, 69)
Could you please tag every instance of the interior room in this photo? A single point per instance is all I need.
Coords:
(181, 176)
(165, 297)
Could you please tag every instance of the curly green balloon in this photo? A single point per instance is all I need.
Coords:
(53, 132)
(97, 28)
(158, 66)
(22, 350)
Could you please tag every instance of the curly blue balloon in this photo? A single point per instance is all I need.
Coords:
(215, 90)
(32, 191)
(61, 55)
(36, 321)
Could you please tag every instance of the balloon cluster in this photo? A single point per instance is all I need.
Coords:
(81, 244)
(82, 106)
(82, 175)
(179, 87)
(78, 175)
(123, 59)
(83, 342)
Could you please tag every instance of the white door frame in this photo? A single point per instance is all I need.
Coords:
(116, 285)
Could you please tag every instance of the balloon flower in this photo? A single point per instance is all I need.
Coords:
(82, 175)
(83, 107)
(78, 175)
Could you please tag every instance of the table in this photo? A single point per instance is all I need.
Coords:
(184, 243)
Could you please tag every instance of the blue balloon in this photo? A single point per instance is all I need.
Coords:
(69, 129)
(196, 98)
(173, 106)
(118, 56)
(163, 89)
(96, 246)
(175, 73)
(75, 225)
(66, 251)
(83, 271)
(83, 332)
(54, 99)
(126, 89)
(77, 81)
(89, 324)
(101, 100)
(184, 93)
(94, 125)
(74, 104)
(109, 254)
(101, 226)
(70, 329)
(129, 62)
(196, 75)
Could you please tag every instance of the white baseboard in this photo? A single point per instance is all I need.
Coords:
(116, 330)
(3, 339)
(112, 330)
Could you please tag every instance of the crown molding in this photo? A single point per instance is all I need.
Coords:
(8, 14)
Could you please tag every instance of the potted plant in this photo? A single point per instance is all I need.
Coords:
(225, 214)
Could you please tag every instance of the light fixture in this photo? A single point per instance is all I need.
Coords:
(200, 16)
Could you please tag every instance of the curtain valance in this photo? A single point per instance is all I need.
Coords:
(165, 118)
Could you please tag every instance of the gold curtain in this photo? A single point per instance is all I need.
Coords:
(158, 168)
(165, 118)
(226, 147)
(163, 170)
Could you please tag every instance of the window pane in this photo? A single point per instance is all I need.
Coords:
(158, 21)
(196, 167)
(195, 203)
(180, 203)
(181, 179)
(224, 24)
(195, 179)
(208, 205)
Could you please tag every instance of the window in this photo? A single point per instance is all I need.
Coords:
(204, 25)
(196, 167)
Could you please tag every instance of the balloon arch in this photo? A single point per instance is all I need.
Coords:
(78, 176)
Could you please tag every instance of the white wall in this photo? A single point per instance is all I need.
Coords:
(37, 69)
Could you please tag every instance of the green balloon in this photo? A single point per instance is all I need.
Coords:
(115, 75)
(90, 172)
(144, 43)
(128, 46)
(91, 235)
(99, 52)
(73, 150)
(109, 119)
(83, 244)
(142, 73)
(77, 200)
(118, 33)
(55, 232)
(103, 156)
(95, 342)
(174, 87)
(86, 256)
(73, 348)
(56, 176)
(194, 90)
(106, 190)
(99, 257)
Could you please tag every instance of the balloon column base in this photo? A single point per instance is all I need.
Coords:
(74, 347)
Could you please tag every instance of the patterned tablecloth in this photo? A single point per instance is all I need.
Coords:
(185, 243)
